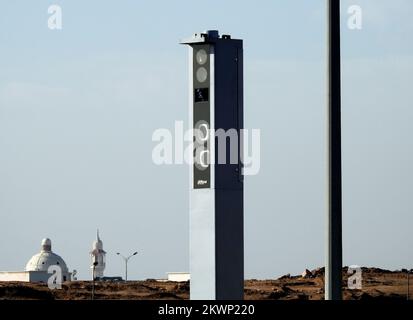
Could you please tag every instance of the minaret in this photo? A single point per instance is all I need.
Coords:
(98, 256)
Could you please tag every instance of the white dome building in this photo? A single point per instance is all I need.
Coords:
(38, 266)
(46, 258)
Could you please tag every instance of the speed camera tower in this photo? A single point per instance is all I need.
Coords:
(216, 186)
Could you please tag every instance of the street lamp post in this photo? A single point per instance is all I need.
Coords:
(408, 283)
(126, 259)
(333, 270)
(93, 279)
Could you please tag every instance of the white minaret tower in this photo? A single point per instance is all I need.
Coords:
(98, 257)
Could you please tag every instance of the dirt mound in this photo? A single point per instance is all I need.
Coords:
(22, 291)
(376, 284)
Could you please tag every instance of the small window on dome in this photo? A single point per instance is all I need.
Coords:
(57, 262)
(43, 262)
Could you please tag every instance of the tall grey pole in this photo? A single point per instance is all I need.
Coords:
(126, 269)
(408, 284)
(333, 276)
(93, 279)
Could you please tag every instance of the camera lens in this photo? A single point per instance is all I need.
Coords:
(201, 74)
(201, 57)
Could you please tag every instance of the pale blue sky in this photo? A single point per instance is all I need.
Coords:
(78, 108)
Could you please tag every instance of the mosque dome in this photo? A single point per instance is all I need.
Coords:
(45, 258)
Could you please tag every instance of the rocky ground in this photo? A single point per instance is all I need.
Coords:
(376, 284)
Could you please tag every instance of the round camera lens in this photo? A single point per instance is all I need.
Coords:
(201, 74)
(201, 56)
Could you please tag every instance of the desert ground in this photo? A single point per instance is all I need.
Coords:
(376, 284)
